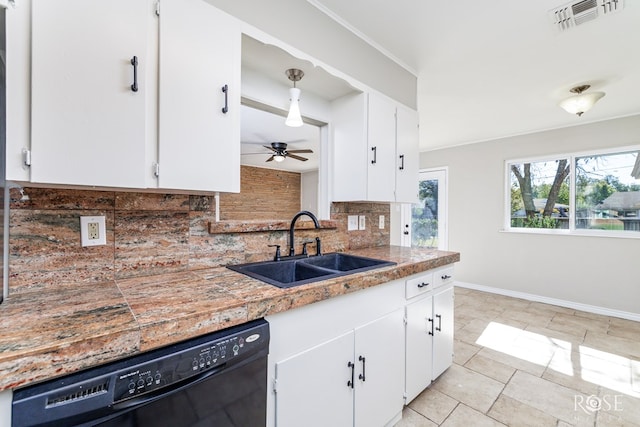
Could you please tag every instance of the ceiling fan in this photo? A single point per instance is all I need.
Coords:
(279, 152)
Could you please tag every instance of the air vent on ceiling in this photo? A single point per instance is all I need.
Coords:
(577, 13)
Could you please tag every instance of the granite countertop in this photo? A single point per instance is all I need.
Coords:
(44, 335)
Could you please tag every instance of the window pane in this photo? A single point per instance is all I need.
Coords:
(424, 216)
(540, 194)
(608, 192)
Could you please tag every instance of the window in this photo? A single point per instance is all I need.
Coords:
(594, 193)
(428, 216)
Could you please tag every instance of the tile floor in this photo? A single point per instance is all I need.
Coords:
(523, 363)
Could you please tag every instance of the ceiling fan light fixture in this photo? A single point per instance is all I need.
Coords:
(294, 118)
(278, 157)
(582, 102)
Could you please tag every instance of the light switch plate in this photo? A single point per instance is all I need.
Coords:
(93, 231)
(381, 222)
(352, 222)
(362, 222)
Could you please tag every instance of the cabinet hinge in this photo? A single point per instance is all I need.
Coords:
(156, 170)
(158, 8)
(404, 320)
(275, 385)
(26, 157)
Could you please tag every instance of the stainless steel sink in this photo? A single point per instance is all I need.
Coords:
(294, 272)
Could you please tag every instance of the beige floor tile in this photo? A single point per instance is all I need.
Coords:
(463, 416)
(411, 418)
(514, 413)
(521, 318)
(473, 389)
(568, 323)
(472, 331)
(553, 399)
(547, 309)
(615, 345)
(560, 339)
(463, 351)
(618, 406)
(483, 311)
(434, 405)
(491, 368)
(513, 361)
(624, 328)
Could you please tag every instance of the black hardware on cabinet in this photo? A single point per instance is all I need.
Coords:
(134, 62)
(422, 285)
(406, 229)
(401, 162)
(276, 257)
(445, 277)
(362, 375)
(225, 90)
(430, 320)
(375, 155)
(439, 328)
(352, 366)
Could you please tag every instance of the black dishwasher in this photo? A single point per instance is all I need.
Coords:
(219, 379)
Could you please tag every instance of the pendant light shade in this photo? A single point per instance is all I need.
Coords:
(582, 102)
(294, 119)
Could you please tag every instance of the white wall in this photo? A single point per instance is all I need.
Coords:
(309, 191)
(301, 25)
(596, 271)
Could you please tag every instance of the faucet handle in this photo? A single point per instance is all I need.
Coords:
(318, 247)
(304, 247)
(276, 257)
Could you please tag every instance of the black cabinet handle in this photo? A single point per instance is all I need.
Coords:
(375, 155)
(401, 162)
(225, 90)
(430, 320)
(445, 277)
(439, 327)
(422, 285)
(362, 375)
(352, 366)
(134, 62)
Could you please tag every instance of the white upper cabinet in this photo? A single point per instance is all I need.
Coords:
(88, 118)
(199, 123)
(375, 150)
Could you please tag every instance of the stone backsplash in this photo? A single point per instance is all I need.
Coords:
(147, 233)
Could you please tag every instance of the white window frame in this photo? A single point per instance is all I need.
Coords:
(572, 230)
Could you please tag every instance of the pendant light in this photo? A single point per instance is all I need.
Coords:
(582, 102)
(294, 119)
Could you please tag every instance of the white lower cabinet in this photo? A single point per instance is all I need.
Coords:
(429, 331)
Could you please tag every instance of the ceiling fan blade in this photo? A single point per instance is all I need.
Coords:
(270, 148)
(270, 159)
(293, 156)
(306, 150)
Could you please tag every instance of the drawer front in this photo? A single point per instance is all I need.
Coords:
(419, 285)
(442, 276)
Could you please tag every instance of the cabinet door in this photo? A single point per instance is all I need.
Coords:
(88, 125)
(311, 387)
(379, 359)
(199, 143)
(443, 331)
(419, 347)
(381, 149)
(407, 155)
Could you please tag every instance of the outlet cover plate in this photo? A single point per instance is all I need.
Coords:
(93, 231)
(352, 222)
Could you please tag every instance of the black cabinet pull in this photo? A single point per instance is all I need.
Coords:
(225, 90)
(401, 162)
(375, 155)
(445, 277)
(430, 320)
(439, 327)
(422, 285)
(134, 62)
(352, 366)
(362, 375)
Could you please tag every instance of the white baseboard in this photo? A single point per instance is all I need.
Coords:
(554, 301)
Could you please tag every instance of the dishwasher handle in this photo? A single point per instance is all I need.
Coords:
(162, 392)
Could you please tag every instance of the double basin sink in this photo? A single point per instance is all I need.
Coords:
(288, 273)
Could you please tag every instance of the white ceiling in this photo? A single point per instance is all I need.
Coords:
(490, 69)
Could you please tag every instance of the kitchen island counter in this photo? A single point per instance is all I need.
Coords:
(47, 334)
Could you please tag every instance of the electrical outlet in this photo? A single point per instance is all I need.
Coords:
(381, 222)
(362, 220)
(352, 222)
(93, 231)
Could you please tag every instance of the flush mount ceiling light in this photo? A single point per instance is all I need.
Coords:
(582, 102)
(294, 119)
